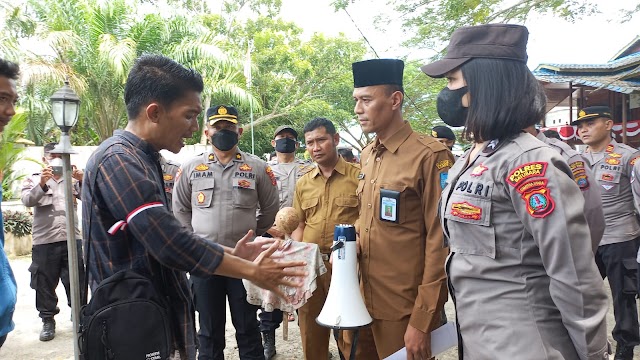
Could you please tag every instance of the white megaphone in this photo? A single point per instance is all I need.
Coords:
(344, 308)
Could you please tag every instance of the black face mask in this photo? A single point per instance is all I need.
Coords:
(224, 139)
(285, 145)
(450, 107)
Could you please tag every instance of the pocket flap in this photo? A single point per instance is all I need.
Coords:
(398, 188)
(630, 264)
(347, 201)
(309, 203)
(203, 184)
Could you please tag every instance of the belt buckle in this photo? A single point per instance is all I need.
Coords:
(325, 257)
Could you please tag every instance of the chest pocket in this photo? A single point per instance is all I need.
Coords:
(244, 193)
(609, 180)
(346, 207)
(469, 224)
(202, 192)
(401, 204)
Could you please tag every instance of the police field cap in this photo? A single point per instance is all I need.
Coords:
(282, 128)
(593, 112)
(377, 72)
(492, 41)
(222, 112)
(442, 132)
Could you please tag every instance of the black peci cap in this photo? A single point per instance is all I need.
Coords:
(377, 72)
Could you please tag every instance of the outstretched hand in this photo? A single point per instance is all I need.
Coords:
(250, 250)
(270, 274)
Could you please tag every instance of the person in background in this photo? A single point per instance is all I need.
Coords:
(552, 134)
(163, 103)
(287, 171)
(217, 195)
(45, 193)
(9, 73)
(402, 253)
(324, 198)
(347, 155)
(169, 172)
(513, 213)
(613, 165)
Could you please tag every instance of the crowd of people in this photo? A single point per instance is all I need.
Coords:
(520, 230)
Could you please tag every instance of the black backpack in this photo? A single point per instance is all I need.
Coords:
(127, 318)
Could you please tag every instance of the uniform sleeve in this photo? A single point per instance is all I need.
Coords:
(588, 184)
(32, 194)
(635, 185)
(551, 207)
(297, 200)
(135, 196)
(432, 293)
(181, 199)
(268, 199)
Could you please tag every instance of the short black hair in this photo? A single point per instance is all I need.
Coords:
(9, 69)
(505, 98)
(50, 146)
(158, 78)
(319, 122)
(346, 154)
(552, 134)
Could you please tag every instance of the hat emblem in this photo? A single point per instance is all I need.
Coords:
(222, 110)
(434, 133)
(582, 113)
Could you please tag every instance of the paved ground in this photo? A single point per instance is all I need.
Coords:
(23, 343)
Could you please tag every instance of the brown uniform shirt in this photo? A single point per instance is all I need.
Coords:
(402, 261)
(323, 203)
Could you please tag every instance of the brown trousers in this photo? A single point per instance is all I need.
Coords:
(377, 341)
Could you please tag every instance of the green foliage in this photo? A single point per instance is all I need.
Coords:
(10, 152)
(18, 223)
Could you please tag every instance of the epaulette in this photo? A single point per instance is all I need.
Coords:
(171, 162)
(431, 143)
(304, 168)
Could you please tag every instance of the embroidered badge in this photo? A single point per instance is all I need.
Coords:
(607, 177)
(539, 202)
(443, 164)
(609, 148)
(271, 176)
(607, 187)
(613, 161)
(526, 171)
(615, 155)
(178, 173)
(582, 181)
(464, 210)
(532, 185)
(434, 134)
(478, 170)
(238, 156)
(167, 177)
(222, 110)
(244, 184)
(211, 157)
(200, 197)
(202, 167)
(245, 167)
(633, 161)
(443, 180)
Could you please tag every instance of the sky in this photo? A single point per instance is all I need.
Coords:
(594, 39)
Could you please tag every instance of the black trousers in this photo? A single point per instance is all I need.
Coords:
(270, 320)
(2, 339)
(49, 266)
(617, 262)
(210, 297)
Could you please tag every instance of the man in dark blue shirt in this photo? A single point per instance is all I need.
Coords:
(125, 213)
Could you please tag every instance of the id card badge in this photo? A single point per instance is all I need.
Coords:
(389, 205)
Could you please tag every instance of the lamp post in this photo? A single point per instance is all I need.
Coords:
(64, 108)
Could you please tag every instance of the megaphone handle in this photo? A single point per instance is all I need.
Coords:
(354, 344)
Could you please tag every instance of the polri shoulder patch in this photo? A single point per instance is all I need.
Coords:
(272, 176)
(526, 171)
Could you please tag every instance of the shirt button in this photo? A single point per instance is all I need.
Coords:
(373, 181)
(369, 206)
(366, 230)
(378, 159)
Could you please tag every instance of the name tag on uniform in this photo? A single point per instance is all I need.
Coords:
(389, 205)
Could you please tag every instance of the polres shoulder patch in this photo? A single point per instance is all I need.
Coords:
(526, 171)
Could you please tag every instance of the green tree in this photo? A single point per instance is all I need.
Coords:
(11, 153)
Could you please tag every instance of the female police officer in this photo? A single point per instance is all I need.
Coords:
(521, 269)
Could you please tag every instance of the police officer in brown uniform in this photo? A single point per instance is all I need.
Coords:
(287, 171)
(402, 253)
(585, 179)
(612, 164)
(217, 195)
(521, 270)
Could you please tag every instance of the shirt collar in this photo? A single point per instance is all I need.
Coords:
(340, 168)
(394, 141)
(139, 143)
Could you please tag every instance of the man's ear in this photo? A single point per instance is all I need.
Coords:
(206, 132)
(154, 112)
(240, 131)
(336, 139)
(273, 143)
(396, 100)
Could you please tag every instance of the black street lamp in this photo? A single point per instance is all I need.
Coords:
(65, 105)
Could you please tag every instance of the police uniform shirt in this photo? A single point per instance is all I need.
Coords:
(169, 171)
(402, 253)
(286, 176)
(612, 169)
(49, 209)
(219, 202)
(584, 178)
